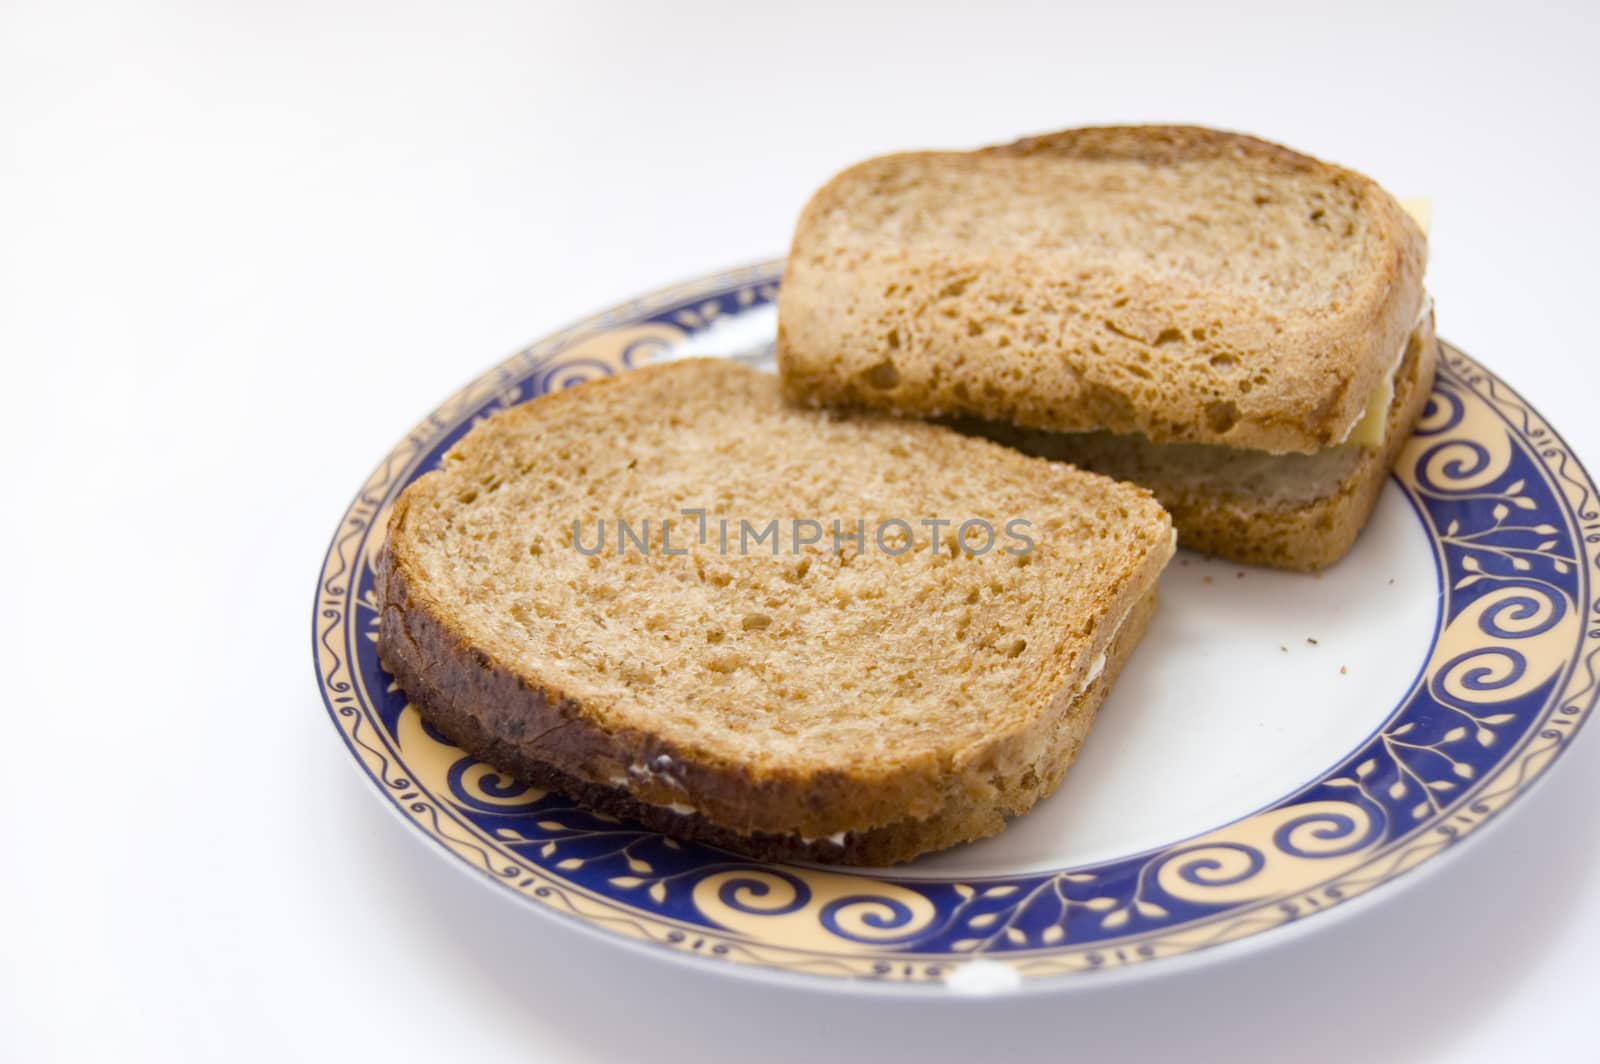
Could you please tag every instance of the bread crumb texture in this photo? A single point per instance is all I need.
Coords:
(1184, 283)
(807, 692)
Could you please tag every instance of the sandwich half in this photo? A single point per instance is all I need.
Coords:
(1240, 327)
(821, 694)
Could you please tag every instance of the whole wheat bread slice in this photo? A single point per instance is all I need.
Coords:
(1186, 284)
(853, 705)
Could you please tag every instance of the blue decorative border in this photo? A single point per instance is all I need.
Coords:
(1512, 674)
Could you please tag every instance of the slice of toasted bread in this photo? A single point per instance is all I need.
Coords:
(1186, 284)
(1292, 511)
(863, 704)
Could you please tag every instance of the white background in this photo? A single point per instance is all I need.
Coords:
(243, 247)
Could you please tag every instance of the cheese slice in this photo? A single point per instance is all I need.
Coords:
(1368, 430)
(1421, 210)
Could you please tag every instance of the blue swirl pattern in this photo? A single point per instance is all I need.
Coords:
(745, 895)
(1210, 871)
(1336, 828)
(874, 910)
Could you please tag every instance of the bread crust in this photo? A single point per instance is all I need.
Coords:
(501, 740)
(531, 721)
(844, 338)
(523, 723)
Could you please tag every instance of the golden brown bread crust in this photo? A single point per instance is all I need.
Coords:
(418, 642)
(454, 705)
(1025, 337)
(1157, 145)
(1254, 529)
(508, 709)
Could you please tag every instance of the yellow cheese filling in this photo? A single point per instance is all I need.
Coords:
(1368, 430)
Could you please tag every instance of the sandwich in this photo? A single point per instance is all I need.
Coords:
(672, 597)
(1239, 327)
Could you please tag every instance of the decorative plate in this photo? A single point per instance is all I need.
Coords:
(1278, 746)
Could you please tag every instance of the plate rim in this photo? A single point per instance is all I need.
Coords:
(769, 271)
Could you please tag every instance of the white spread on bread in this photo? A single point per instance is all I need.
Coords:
(684, 809)
(1098, 665)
